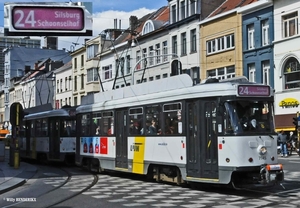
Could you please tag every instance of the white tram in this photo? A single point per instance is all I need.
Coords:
(170, 130)
(50, 135)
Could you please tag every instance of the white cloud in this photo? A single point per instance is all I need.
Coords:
(101, 21)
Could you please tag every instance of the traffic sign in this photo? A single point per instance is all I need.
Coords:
(61, 19)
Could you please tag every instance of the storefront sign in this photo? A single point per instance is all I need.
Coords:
(289, 103)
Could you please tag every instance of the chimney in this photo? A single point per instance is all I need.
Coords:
(27, 69)
(115, 23)
(116, 33)
(133, 22)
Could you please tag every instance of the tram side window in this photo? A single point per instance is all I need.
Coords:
(38, 126)
(41, 127)
(68, 128)
(85, 124)
(136, 120)
(44, 127)
(153, 120)
(108, 123)
(172, 118)
(32, 128)
(96, 126)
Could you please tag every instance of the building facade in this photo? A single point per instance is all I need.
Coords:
(286, 63)
(258, 36)
(221, 55)
(6, 42)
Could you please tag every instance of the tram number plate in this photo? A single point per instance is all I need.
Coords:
(262, 157)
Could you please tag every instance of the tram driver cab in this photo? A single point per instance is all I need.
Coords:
(249, 117)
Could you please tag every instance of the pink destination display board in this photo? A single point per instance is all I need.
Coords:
(50, 18)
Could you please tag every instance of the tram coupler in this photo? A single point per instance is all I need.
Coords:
(271, 174)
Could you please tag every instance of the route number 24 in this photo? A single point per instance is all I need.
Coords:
(243, 91)
(29, 19)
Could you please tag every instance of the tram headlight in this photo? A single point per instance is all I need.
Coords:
(262, 150)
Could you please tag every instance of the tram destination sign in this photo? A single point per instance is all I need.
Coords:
(43, 19)
(52, 18)
(253, 90)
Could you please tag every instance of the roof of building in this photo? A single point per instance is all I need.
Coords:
(159, 17)
(32, 55)
(230, 5)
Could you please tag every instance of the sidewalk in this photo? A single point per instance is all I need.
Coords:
(11, 177)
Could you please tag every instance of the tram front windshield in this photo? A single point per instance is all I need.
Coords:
(249, 117)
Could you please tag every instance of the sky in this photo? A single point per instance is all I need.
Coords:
(104, 13)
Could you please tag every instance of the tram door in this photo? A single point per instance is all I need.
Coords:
(208, 139)
(121, 139)
(54, 140)
(193, 142)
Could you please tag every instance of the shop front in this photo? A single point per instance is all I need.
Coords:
(286, 108)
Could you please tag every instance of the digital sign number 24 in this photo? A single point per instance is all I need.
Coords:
(29, 19)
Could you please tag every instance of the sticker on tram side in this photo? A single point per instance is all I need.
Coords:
(138, 148)
(92, 146)
(103, 145)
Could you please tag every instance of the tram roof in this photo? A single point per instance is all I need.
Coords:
(170, 89)
(46, 114)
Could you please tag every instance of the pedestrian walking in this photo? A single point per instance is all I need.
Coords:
(282, 138)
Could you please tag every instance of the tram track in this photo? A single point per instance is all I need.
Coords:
(94, 182)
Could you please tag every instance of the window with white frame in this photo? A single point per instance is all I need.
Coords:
(222, 73)
(151, 54)
(174, 45)
(220, 44)
(138, 58)
(92, 51)
(250, 32)
(82, 81)
(157, 53)
(127, 71)
(82, 60)
(291, 72)
(66, 83)
(107, 72)
(121, 67)
(290, 24)
(92, 75)
(173, 14)
(182, 9)
(144, 58)
(183, 43)
(144, 52)
(61, 85)
(165, 51)
(265, 32)
(193, 6)
(266, 72)
(187, 9)
(6, 68)
(251, 72)
(193, 41)
(75, 83)
(75, 63)
(148, 27)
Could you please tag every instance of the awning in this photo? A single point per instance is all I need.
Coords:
(284, 122)
(285, 129)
